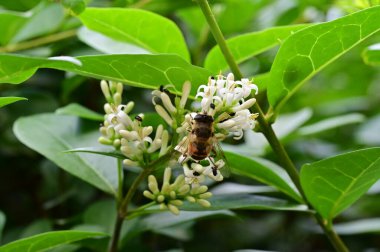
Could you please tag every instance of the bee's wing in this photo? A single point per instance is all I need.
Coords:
(219, 155)
(179, 150)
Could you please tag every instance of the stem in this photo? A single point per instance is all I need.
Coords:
(217, 33)
(120, 180)
(116, 234)
(38, 42)
(266, 128)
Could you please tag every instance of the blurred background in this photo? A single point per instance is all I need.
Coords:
(337, 111)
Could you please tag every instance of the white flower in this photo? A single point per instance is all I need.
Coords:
(229, 107)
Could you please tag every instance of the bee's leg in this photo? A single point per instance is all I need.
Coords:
(214, 167)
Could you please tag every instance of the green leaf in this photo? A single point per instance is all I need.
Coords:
(264, 172)
(48, 240)
(244, 201)
(2, 224)
(145, 71)
(371, 55)
(331, 185)
(51, 135)
(79, 110)
(9, 100)
(248, 45)
(364, 226)
(308, 51)
(145, 29)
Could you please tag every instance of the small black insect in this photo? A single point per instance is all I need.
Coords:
(163, 89)
(138, 118)
(196, 173)
(212, 105)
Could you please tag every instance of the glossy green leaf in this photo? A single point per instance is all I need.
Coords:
(79, 110)
(51, 135)
(2, 224)
(331, 185)
(48, 240)
(145, 71)
(145, 29)
(371, 55)
(308, 51)
(260, 170)
(244, 201)
(9, 100)
(358, 227)
(248, 45)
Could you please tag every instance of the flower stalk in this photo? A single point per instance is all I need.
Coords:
(266, 128)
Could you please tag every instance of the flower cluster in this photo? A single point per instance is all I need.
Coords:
(171, 195)
(227, 101)
(126, 134)
(224, 99)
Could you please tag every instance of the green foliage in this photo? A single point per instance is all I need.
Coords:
(331, 185)
(51, 135)
(243, 48)
(161, 44)
(308, 51)
(263, 172)
(44, 241)
(145, 71)
(141, 28)
(9, 100)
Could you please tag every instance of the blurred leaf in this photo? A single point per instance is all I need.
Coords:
(251, 168)
(2, 224)
(106, 44)
(80, 111)
(331, 123)
(284, 126)
(48, 240)
(51, 135)
(164, 6)
(9, 100)
(245, 201)
(11, 22)
(358, 227)
(308, 51)
(331, 185)
(248, 45)
(75, 6)
(145, 71)
(145, 29)
(36, 227)
(371, 55)
(19, 5)
(368, 132)
(233, 188)
(45, 18)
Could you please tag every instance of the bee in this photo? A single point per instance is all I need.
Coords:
(201, 143)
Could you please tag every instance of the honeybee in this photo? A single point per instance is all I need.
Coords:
(201, 143)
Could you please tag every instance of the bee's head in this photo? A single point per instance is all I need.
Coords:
(204, 118)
